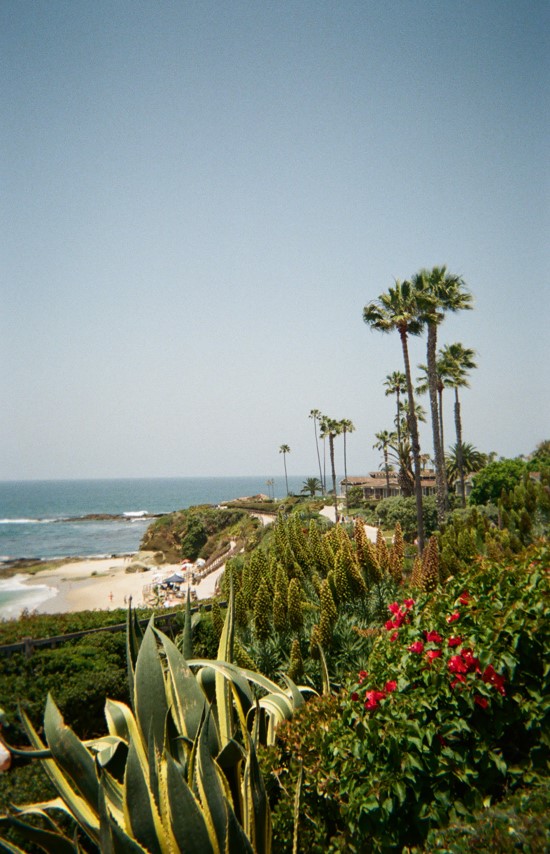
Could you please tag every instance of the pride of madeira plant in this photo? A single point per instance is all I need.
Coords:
(176, 772)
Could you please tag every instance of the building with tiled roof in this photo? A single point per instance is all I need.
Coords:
(375, 485)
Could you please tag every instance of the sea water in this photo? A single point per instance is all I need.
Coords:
(46, 519)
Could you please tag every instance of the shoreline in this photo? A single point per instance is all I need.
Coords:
(98, 584)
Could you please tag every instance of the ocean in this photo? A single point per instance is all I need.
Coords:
(45, 519)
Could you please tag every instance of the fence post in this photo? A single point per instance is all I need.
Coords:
(28, 647)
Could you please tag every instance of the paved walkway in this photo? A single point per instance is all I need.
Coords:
(328, 511)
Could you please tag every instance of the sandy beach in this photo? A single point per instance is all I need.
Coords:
(103, 583)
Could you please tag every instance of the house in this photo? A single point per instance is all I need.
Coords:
(375, 485)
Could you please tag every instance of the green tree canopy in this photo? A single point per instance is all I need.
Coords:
(494, 478)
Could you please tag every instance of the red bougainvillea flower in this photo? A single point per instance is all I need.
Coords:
(417, 647)
(464, 598)
(454, 641)
(373, 699)
(394, 636)
(452, 618)
(433, 637)
(481, 701)
(457, 665)
(389, 625)
(362, 676)
(490, 675)
(390, 686)
(355, 696)
(457, 680)
(433, 653)
(408, 603)
(394, 608)
(440, 739)
(471, 662)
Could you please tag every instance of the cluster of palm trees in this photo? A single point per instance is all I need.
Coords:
(410, 308)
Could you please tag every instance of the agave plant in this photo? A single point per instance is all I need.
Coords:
(176, 772)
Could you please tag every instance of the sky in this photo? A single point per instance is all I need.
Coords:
(199, 197)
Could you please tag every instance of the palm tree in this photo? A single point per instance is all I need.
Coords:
(312, 485)
(458, 360)
(472, 460)
(438, 292)
(347, 426)
(284, 450)
(398, 309)
(396, 383)
(316, 415)
(331, 428)
(385, 441)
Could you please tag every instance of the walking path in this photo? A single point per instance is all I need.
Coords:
(328, 512)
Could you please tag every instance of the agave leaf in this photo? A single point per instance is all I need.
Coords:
(186, 816)
(208, 778)
(10, 847)
(187, 640)
(111, 792)
(186, 697)
(223, 690)
(134, 636)
(324, 671)
(51, 841)
(297, 698)
(237, 839)
(76, 806)
(122, 723)
(140, 811)
(71, 755)
(150, 694)
(114, 838)
(238, 686)
(256, 813)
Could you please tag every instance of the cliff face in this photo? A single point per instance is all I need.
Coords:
(193, 533)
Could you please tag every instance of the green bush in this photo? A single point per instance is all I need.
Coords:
(496, 478)
(390, 511)
(450, 712)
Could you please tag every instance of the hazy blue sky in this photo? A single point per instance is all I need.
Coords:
(198, 199)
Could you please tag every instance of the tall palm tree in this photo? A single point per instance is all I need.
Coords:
(458, 361)
(438, 292)
(346, 426)
(316, 415)
(384, 443)
(398, 310)
(396, 383)
(330, 429)
(284, 450)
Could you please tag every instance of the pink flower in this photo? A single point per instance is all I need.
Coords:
(389, 625)
(433, 653)
(373, 699)
(457, 665)
(453, 617)
(390, 687)
(433, 637)
(394, 636)
(454, 641)
(354, 696)
(490, 675)
(408, 603)
(362, 676)
(417, 647)
(481, 701)
(394, 608)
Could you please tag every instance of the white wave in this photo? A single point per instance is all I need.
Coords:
(16, 595)
(26, 521)
(135, 514)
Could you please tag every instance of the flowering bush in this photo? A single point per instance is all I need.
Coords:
(448, 713)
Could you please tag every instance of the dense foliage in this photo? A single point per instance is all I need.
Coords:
(196, 532)
(450, 710)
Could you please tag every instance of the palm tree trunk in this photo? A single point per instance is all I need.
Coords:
(441, 497)
(459, 457)
(331, 448)
(346, 473)
(286, 476)
(387, 472)
(415, 444)
(318, 455)
(440, 395)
